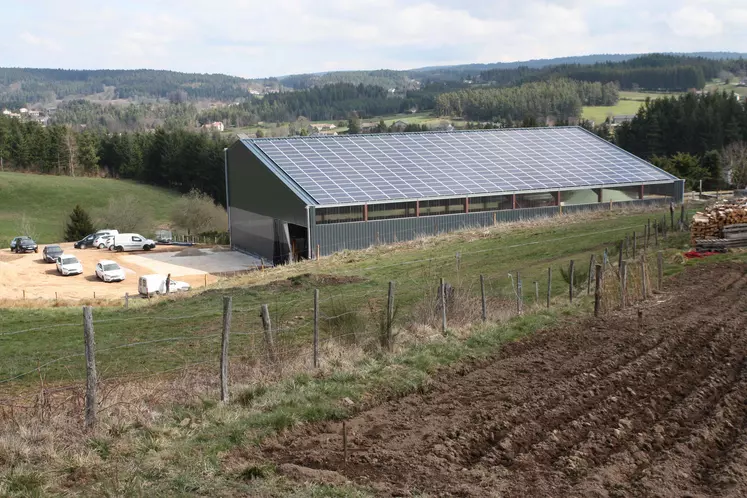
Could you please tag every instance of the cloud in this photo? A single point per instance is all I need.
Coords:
(38, 41)
(696, 22)
(258, 38)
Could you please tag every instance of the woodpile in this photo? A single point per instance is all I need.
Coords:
(710, 223)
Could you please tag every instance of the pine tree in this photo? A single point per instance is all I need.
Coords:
(79, 226)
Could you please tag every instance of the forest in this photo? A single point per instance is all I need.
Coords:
(176, 159)
(650, 72)
(561, 98)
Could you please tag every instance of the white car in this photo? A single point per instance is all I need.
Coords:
(109, 271)
(69, 265)
(103, 241)
(132, 242)
(156, 284)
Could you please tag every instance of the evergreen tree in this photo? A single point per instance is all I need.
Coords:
(79, 226)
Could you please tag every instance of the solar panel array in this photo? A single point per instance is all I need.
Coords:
(364, 168)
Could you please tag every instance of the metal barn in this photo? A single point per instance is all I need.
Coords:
(293, 198)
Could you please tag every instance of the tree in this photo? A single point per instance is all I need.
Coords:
(260, 133)
(125, 214)
(711, 162)
(689, 168)
(79, 226)
(734, 160)
(354, 125)
(196, 212)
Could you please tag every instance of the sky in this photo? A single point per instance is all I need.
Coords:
(252, 38)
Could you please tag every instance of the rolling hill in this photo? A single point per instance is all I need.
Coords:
(46, 201)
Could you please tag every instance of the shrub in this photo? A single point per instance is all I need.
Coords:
(196, 212)
(79, 226)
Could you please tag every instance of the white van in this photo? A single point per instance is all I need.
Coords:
(132, 242)
(148, 285)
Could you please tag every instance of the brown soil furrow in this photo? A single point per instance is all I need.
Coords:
(596, 408)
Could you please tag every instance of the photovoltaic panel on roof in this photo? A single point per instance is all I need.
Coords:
(378, 167)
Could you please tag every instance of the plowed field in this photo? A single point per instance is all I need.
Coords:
(598, 408)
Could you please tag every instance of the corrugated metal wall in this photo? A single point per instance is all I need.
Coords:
(336, 237)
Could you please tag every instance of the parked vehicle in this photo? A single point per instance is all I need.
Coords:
(23, 244)
(132, 242)
(156, 284)
(90, 239)
(69, 265)
(51, 253)
(103, 241)
(109, 271)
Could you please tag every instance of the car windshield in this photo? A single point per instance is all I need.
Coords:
(110, 267)
(69, 261)
(26, 239)
(54, 249)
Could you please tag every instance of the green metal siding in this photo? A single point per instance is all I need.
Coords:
(336, 237)
(254, 188)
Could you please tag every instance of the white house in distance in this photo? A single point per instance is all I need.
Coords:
(324, 126)
(215, 125)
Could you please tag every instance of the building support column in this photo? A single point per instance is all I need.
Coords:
(559, 198)
(417, 209)
(513, 201)
(599, 194)
(365, 212)
(640, 193)
(466, 204)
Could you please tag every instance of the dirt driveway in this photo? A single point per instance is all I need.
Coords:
(29, 273)
(599, 408)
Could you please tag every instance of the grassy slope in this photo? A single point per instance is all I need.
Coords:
(214, 453)
(48, 200)
(629, 103)
(412, 268)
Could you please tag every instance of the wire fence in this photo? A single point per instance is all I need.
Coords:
(268, 336)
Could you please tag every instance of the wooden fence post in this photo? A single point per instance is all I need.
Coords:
(227, 310)
(682, 216)
(656, 233)
(592, 262)
(671, 213)
(620, 256)
(168, 283)
(390, 317)
(570, 281)
(267, 325)
(660, 269)
(549, 286)
(443, 306)
(598, 290)
(645, 238)
(127, 300)
(91, 377)
(482, 296)
(627, 246)
(644, 293)
(536, 293)
(623, 283)
(316, 328)
(648, 231)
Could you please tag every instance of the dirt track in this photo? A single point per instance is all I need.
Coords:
(595, 409)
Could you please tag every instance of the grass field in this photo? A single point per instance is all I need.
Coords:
(47, 201)
(629, 103)
(191, 445)
(197, 320)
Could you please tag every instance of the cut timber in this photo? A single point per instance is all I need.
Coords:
(714, 220)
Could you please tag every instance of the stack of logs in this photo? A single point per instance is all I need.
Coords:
(708, 230)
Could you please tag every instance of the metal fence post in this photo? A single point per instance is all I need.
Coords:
(549, 286)
(390, 317)
(91, 377)
(660, 269)
(570, 281)
(482, 296)
(598, 290)
(592, 262)
(316, 328)
(267, 326)
(623, 283)
(519, 292)
(227, 310)
(443, 306)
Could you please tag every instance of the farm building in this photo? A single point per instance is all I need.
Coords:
(296, 197)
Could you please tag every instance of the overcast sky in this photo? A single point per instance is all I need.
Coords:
(255, 38)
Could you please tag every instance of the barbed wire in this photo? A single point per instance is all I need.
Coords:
(47, 327)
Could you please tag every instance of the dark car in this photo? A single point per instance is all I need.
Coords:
(51, 253)
(23, 244)
(85, 242)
